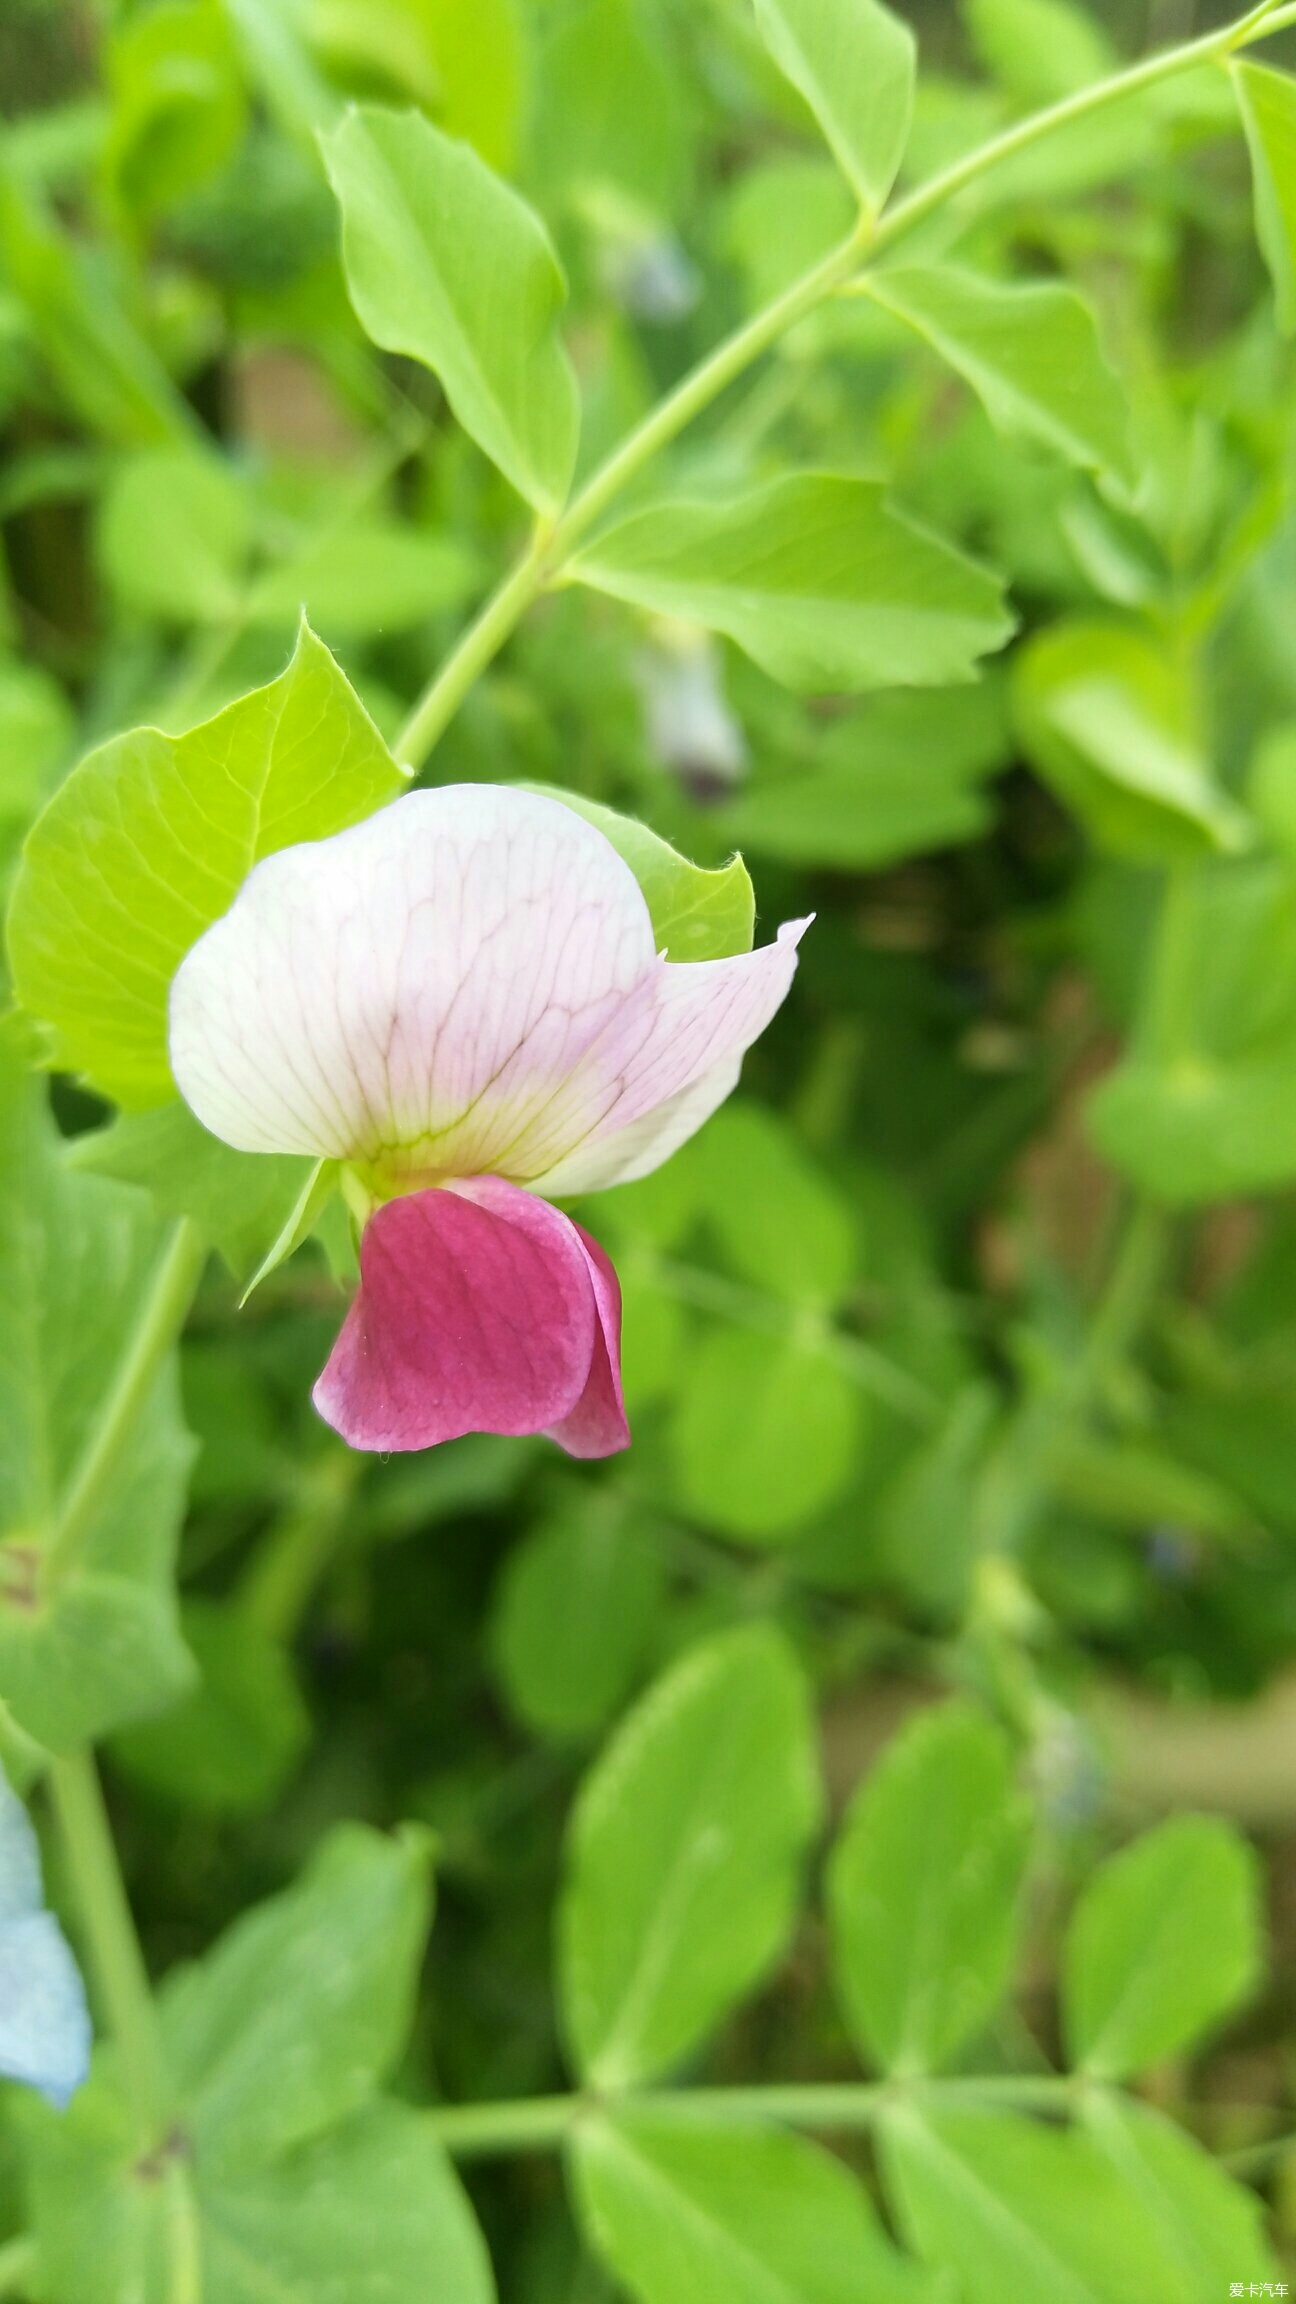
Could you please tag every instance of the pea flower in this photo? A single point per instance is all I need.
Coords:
(44, 2022)
(461, 1001)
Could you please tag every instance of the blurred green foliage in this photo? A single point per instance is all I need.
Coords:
(960, 1347)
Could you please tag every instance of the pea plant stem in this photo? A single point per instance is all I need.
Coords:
(161, 1317)
(553, 541)
(116, 1960)
(544, 2123)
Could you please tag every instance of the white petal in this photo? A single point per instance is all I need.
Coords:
(659, 1070)
(625, 1154)
(420, 985)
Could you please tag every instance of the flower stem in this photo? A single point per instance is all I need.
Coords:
(161, 1318)
(549, 548)
(114, 1949)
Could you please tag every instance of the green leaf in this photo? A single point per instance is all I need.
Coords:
(1202, 1108)
(175, 530)
(894, 778)
(819, 579)
(77, 1254)
(1267, 100)
(1210, 2229)
(611, 109)
(300, 2011)
(685, 1856)
(240, 1201)
(696, 914)
(853, 61)
(35, 737)
(178, 107)
(1102, 715)
(683, 2212)
(466, 66)
(1164, 1942)
(575, 1610)
(1014, 2209)
(374, 2210)
(148, 842)
(109, 376)
(448, 265)
(924, 1921)
(767, 1432)
(228, 1747)
(366, 577)
(1040, 50)
(781, 1221)
(1030, 352)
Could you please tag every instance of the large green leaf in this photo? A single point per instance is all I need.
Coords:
(147, 843)
(853, 61)
(685, 2212)
(685, 1855)
(924, 1886)
(240, 1201)
(371, 2210)
(1163, 1943)
(101, 1643)
(1102, 714)
(1014, 2209)
(1211, 2229)
(445, 263)
(1268, 105)
(696, 914)
(1204, 1105)
(300, 2011)
(286, 2177)
(819, 579)
(1029, 350)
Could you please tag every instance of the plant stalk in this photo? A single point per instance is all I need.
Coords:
(550, 547)
(161, 1318)
(113, 1945)
(544, 2123)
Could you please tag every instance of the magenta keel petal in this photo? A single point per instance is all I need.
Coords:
(480, 1309)
(597, 1425)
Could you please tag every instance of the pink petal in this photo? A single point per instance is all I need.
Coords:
(597, 1425)
(480, 1309)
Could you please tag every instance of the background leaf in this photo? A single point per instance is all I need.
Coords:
(1268, 105)
(819, 579)
(684, 2212)
(1164, 1941)
(684, 1854)
(1029, 350)
(853, 61)
(445, 263)
(924, 1922)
